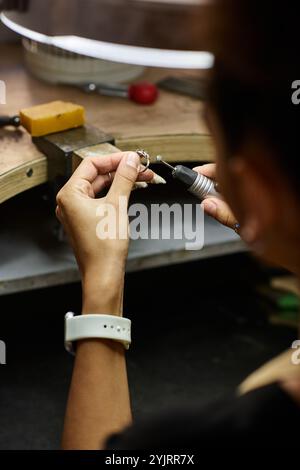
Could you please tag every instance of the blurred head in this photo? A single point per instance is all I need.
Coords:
(255, 124)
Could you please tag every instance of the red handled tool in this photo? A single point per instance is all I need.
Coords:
(142, 93)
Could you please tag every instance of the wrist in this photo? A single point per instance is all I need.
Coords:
(102, 296)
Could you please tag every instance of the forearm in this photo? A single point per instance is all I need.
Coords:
(98, 403)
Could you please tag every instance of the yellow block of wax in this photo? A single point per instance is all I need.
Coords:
(52, 117)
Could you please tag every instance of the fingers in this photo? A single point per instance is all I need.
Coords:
(91, 175)
(219, 210)
(91, 167)
(102, 181)
(147, 175)
(58, 213)
(96, 173)
(100, 171)
(125, 177)
(208, 170)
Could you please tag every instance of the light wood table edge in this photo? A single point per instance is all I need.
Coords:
(174, 148)
(23, 177)
(35, 172)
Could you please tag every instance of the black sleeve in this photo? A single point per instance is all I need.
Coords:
(265, 416)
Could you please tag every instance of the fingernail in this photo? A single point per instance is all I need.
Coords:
(157, 179)
(133, 160)
(209, 207)
(140, 185)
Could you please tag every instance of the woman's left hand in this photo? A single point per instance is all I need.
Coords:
(101, 259)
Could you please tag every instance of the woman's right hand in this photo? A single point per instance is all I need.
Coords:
(213, 206)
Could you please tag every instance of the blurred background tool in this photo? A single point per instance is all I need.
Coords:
(141, 93)
(10, 121)
(191, 86)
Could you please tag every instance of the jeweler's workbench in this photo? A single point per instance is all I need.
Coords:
(172, 127)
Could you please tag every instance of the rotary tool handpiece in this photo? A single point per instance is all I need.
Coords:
(197, 184)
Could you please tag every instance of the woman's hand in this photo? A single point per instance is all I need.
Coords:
(216, 208)
(101, 260)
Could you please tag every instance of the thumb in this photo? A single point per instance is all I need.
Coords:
(219, 210)
(125, 177)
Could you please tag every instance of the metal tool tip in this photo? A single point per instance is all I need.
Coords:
(160, 160)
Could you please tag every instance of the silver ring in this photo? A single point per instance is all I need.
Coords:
(146, 156)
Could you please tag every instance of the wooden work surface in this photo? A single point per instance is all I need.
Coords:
(172, 126)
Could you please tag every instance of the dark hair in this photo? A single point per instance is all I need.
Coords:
(257, 59)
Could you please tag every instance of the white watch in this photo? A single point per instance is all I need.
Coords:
(96, 326)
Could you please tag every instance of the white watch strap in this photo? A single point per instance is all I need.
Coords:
(96, 326)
